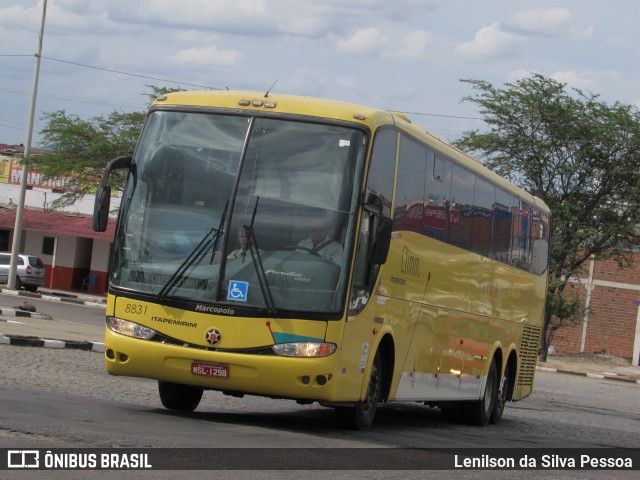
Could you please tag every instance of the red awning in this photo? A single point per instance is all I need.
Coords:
(56, 224)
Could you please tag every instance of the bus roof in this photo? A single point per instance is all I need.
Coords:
(373, 118)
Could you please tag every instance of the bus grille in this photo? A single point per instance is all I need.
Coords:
(528, 354)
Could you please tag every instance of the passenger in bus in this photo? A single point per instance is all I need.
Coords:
(318, 242)
(243, 241)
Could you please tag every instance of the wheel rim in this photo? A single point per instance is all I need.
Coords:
(373, 392)
(489, 391)
(503, 392)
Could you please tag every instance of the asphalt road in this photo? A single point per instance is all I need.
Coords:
(64, 398)
(88, 315)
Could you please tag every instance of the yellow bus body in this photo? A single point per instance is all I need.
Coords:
(445, 321)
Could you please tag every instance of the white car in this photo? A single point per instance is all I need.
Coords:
(29, 271)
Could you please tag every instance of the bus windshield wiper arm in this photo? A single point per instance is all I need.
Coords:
(211, 237)
(257, 261)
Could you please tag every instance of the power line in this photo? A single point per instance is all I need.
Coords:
(10, 126)
(77, 99)
(119, 72)
(131, 74)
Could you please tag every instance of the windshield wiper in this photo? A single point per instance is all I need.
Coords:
(257, 261)
(211, 237)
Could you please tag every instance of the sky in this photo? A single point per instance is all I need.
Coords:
(100, 56)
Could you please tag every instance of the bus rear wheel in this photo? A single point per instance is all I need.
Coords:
(502, 397)
(479, 412)
(175, 396)
(360, 416)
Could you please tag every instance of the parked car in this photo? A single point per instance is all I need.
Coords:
(29, 271)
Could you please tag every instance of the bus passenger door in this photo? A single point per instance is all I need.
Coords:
(364, 313)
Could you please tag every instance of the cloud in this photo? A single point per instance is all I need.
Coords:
(412, 46)
(258, 18)
(621, 41)
(373, 42)
(518, 75)
(490, 42)
(550, 22)
(208, 55)
(546, 22)
(321, 82)
(364, 41)
(575, 80)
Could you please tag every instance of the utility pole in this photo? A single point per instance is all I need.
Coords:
(17, 230)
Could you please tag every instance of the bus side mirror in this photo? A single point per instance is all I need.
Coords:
(101, 208)
(103, 194)
(382, 242)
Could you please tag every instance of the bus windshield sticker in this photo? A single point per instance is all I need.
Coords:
(238, 291)
(344, 143)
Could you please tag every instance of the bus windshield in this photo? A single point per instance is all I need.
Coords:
(252, 211)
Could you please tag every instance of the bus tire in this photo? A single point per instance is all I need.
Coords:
(175, 396)
(361, 415)
(502, 397)
(479, 412)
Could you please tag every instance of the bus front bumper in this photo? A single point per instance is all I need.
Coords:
(311, 379)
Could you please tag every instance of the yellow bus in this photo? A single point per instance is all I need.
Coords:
(320, 251)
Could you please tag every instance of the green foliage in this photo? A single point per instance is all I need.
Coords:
(80, 149)
(576, 152)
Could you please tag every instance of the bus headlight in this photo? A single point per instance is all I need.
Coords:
(130, 329)
(304, 349)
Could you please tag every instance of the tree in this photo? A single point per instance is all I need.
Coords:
(79, 150)
(582, 157)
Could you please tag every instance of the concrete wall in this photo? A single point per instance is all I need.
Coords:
(75, 258)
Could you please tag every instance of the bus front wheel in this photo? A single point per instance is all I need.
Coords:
(360, 416)
(174, 396)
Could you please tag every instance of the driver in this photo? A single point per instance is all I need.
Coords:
(319, 243)
(243, 241)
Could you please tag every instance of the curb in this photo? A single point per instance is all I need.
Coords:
(22, 341)
(27, 341)
(598, 376)
(7, 312)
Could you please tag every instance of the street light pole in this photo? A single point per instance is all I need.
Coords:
(17, 230)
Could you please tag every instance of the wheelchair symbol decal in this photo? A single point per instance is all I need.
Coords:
(238, 291)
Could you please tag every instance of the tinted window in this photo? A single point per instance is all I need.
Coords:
(483, 200)
(409, 208)
(447, 202)
(437, 211)
(502, 222)
(462, 186)
(382, 167)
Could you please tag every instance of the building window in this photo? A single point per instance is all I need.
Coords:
(48, 244)
(4, 240)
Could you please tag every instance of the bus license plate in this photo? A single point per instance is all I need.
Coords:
(210, 370)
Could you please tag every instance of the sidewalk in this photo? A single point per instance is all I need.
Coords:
(19, 327)
(594, 365)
